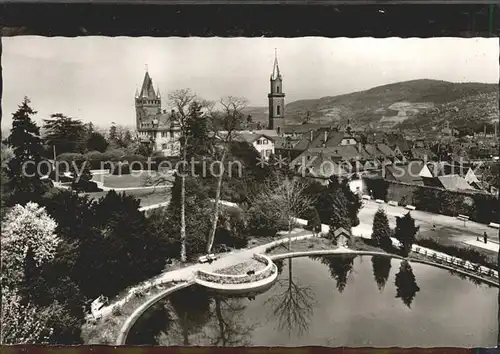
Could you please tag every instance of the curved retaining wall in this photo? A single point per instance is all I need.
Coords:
(336, 251)
(209, 277)
(371, 253)
(240, 283)
(130, 321)
(251, 286)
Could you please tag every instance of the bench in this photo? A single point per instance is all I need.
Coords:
(494, 225)
(379, 201)
(392, 203)
(208, 258)
(410, 207)
(366, 197)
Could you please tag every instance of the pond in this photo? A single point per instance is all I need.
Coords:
(355, 301)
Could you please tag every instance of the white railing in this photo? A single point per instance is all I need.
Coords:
(462, 263)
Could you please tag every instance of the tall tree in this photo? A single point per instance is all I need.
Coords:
(283, 199)
(381, 232)
(197, 211)
(229, 119)
(181, 101)
(354, 202)
(97, 142)
(24, 139)
(406, 231)
(113, 135)
(340, 216)
(65, 133)
(406, 284)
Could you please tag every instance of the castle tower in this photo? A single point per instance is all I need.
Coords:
(276, 100)
(147, 103)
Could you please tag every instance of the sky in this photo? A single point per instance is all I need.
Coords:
(95, 78)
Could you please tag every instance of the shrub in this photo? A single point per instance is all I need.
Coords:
(136, 162)
(120, 168)
(259, 225)
(95, 159)
(464, 253)
(26, 228)
(113, 155)
(117, 311)
(231, 229)
(67, 160)
(22, 323)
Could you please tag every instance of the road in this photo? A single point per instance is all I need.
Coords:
(425, 220)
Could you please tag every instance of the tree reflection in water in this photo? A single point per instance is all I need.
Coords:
(229, 328)
(279, 265)
(292, 308)
(340, 266)
(381, 270)
(473, 280)
(192, 307)
(406, 284)
(158, 321)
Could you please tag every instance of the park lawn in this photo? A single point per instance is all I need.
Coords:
(133, 180)
(447, 237)
(146, 196)
(309, 244)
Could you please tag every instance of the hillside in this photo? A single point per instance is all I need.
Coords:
(391, 105)
(469, 111)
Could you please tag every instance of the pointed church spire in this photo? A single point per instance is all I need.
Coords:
(276, 69)
(147, 89)
(136, 92)
(158, 92)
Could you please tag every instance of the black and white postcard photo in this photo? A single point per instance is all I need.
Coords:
(229, 192)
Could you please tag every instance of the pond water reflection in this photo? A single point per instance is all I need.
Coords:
(332, 301)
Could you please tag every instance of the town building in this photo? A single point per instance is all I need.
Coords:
(154, 125)
(276, 98)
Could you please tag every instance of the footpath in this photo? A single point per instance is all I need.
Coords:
(188, 273)
(364, 229)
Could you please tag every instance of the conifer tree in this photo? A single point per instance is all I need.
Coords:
(65, 133)
(340, 214)
(24, 138)
(314, 223)
(406, 231)
(381, 232)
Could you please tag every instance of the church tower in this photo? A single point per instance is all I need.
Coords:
(276, 100)
(147, 104)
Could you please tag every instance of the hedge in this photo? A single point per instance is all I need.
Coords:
(465, 253)
(98, 160)
(480, 207)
